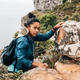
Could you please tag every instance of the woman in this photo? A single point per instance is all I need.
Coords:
(25, 45)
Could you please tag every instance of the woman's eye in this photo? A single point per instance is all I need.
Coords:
(34, 27)
(39, 28)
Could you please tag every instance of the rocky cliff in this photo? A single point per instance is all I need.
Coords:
(47, 4)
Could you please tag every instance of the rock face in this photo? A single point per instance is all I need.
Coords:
(41, 74)
(47, 4)
(3, 68)
(62, 72)
(69, 71)
(68, 40)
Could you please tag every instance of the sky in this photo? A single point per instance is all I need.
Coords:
(11, 12)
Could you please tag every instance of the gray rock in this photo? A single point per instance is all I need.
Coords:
(47, 4)
(70, 44)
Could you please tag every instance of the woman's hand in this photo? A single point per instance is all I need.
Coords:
(36, 64)
(57, 26)
(42, 65)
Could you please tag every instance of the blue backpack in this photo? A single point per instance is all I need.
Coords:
(8, 52)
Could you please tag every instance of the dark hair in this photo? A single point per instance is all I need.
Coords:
(32, 18)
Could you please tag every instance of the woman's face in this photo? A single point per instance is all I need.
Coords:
(34, 28)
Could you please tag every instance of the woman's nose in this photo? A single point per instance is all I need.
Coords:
(37, 30)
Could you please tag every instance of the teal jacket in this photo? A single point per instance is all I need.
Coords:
(25, 50)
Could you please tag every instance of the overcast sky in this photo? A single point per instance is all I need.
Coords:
(11, 12)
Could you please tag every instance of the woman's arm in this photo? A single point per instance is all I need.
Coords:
(44, 37)
(48, 35)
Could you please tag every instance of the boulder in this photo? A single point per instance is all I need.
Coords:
(67, 39)
(69, 71)
(62, 72)
(41, 74)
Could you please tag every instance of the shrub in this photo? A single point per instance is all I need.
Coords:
(48, 21)
(11, 76)
(75, 17)
(39, 10)
(43, 44)
(68, 6)
(16, 34)
(75, 1)
(52, 59)
(64, 1)
(66, 17)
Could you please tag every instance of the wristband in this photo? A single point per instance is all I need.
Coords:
(55, 28)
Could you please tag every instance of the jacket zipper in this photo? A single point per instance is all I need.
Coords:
(33, 49)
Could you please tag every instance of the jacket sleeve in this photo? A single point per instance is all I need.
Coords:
(44, 37)
(22, 46)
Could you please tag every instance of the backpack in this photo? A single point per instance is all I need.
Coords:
(8, 52)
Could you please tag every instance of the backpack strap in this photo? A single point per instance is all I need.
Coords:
(15, 63)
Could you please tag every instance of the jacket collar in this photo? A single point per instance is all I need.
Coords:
(30, 40)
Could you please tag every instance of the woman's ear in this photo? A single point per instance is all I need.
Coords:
(28, 26)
